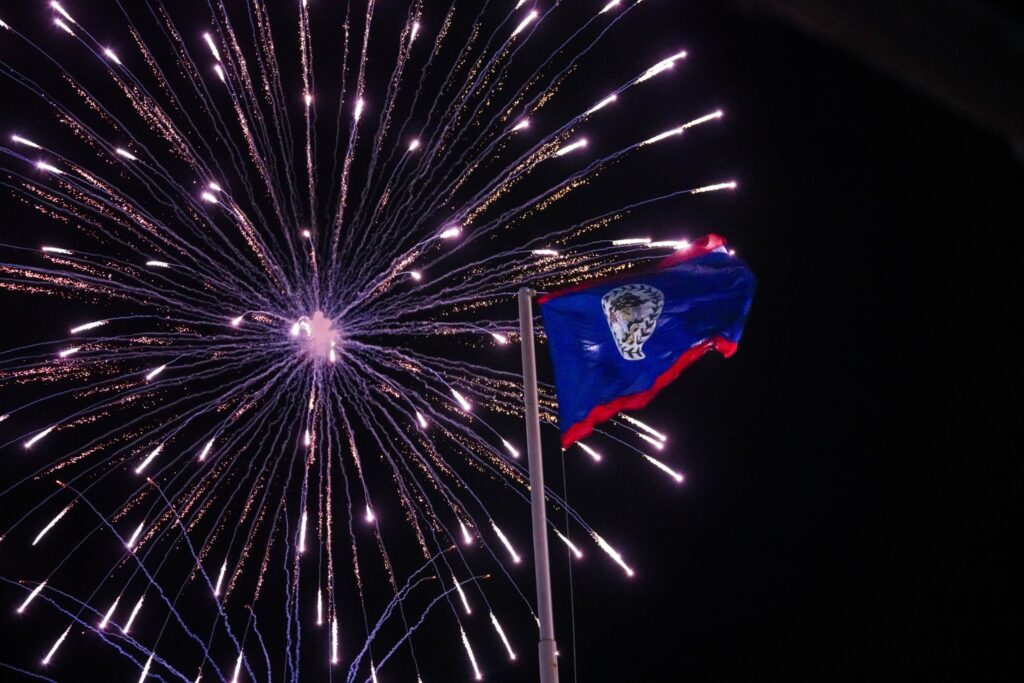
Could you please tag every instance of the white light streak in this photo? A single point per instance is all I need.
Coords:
(589, 451)
(319, 607)
(308, 99)
(661, 66)
(31, 442)
(126, 154)
(149, 458)
(3, 24)
(572, 546)
(467, 537)
(158, 264)
(295, 330)
(154, 372)
(614, 554)
(629, 241)
(31, 597)
(220, 73)
(678, 245)
(213, 47)
(370, 517)
(25, 141)
(525, 123)
(61, 11)
(131, 617)
(51, 524)
(334, 641)
(49, 168)
(109, 614)
(466, 405)
(416, 275)
(512, 450)
(145, 669)
(135, 536)
(500, 338)
(415, 31)
(644, 427)
(472, 657)
(530, 18)
(111, 56)
(731, 185)
(665, 468)
(238, 668)
(571, 147)
(208, 198)
(544, 252)
(302, 532)
(450, 232)
(88, 326)
(64, 27)
(462, 595)
(651, 440)
(611, 5)
(206, 450)
(220, 579)
(360, 103)
(679, 131)
(53, 650)
(504, 638)
(235, 322)
(307, 438)
(602, 104)
(508, 545)
(215, 187)
(70, 351)
(421, 420)
(414, 145)
(56, 250)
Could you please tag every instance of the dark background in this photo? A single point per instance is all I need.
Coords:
(849, 501)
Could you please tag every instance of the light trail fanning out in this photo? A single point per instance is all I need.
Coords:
(289, 379)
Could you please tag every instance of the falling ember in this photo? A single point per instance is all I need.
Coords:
(544, 252)
(731, 185)
(88, 326)
(307, 439)
(319, 607)
(31, 442)
(472, 657)
(135, 536)
(220, 579)
(415, 31)
(109, 613)
(630, 241)
(49, 168)
(69, 351)
(126, 154)
(601, 105)
(610, 6)
(370, 517)
(512, 450)
(63, 12)
(572, 546)
(665, 468)
(238, 668)
(145, 669)
(213, 47)
(334, 640)
(235, 322)
(62, 26)
(504, 639)
(508, 545)
(571, 147)
(206, 450)
(661, 66)
(49, 526)
(308, 99)
(302, 533)
(360, 103)
(530, 18)
(154, 372)
(450, 232)
(614, 554)
(421, 420)
(589, 451)
(158, 264)
(466, 405)
(416, 275)
(500, 338)
(111, 56)
(467, 537)
(525, 123)
(53, 650)
(651, 440)
(131, 617)
(220, 73)
(414, 145)
(25, 141)
(31, 597)
(462, 595)
(149, 458)
(208, 198)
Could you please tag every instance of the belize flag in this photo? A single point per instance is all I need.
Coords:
(616, 343)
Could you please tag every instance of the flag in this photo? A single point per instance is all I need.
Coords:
(616, 343)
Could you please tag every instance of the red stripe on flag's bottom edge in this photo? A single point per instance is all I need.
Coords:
(605, 411)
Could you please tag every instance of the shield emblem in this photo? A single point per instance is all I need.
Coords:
(632, 312)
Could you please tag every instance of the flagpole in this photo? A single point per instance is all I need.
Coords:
(541, 564)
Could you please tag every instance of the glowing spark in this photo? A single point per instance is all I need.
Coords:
(602, 104)
(319, 607)
(678, 245)
(508, 545)
(544, 252)
(215, 187)
(25, 141)
(370, 517)
(158, 264)
(31, 597)
(61, 11)
(220, 579)
(513, 451)
(614, 554)
(360, 103)
(302, 533)
(64, 27)
(415, 31)
(308, 99)
(37, 437)
(126, 154)
(661, 66)
(526, 22)
(220, 73)
(154, 372)
(131, 617)
(414, 145)
(462, 595)
(589, 451)
(571, 147)
(731, 185)
(472, 657)
(51, 524)
(525, 123)
(111, 56)
(450, 233)
(149, 459)
(416, 275)
(665, 468)
(145, 669)
(466, 405)
(611, 5)
(504, 639)
(295, 330)
(135, 536)
(238, 668)
(208, 198)
(334, 640)
(572, 546)
(467, 538)
(109, 614)
(206, 450)
(307, 438)
(3, 24)
(57, 250)
(373, 672)
(499, 337)
(679, 131)
(631, 241)
(235, 322)
(49, 168)
(69, 351)
(651, 440)
(53, 650)
(421, 420)
(213, 47)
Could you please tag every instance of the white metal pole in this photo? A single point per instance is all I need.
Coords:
(547, 647)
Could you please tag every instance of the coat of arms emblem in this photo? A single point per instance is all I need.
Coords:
(632, 312)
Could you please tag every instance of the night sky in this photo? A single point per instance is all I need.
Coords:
(847, 500)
